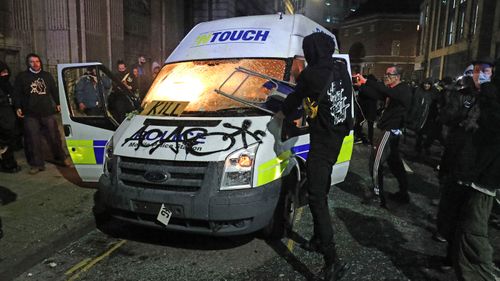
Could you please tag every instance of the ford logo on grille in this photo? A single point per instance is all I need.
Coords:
(156, 176)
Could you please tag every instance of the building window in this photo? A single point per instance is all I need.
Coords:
(346, 32)
(451, 67)
(396, 46)
(397, 27)
(450, 28)
(421, 31)
(462, 8)
(358, 30)
(435, 68)
(473, 22)
(372, 27)
(439, 28)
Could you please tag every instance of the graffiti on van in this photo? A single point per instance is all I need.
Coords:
(190, 139)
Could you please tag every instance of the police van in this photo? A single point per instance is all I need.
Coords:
(204, 154)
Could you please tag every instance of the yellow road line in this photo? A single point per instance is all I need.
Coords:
(291, 243)
(97, 259)
(77, 266)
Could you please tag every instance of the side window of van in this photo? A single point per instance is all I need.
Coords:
(91, 96)
(82, 91)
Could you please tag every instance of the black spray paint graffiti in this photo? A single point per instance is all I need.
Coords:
(188, 139)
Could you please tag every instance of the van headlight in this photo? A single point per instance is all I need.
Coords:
(238, 169)
(108, 157)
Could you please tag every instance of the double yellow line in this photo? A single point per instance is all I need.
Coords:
(88, 263)
(74, 272)
(291, 244)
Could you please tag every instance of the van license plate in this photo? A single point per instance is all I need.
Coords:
(164, 215)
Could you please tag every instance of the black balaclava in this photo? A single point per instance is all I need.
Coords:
(317, 46)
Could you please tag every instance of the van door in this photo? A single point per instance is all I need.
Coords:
(90, 113)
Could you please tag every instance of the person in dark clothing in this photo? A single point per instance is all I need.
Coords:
(325, 81)
(472, 252)
(37, 101)
(7, 124)
(369, 108)
(87, 93)
(139, 84)
(397, 97)
(425, 112)
(459, 115)
(123, 74)
(141, 66)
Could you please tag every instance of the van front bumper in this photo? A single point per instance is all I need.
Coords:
(207, 211)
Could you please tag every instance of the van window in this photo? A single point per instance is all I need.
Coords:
(95, 97)
(196, 82)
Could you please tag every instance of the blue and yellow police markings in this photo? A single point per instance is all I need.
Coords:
(273, 169)
(86, 152)
(344, 155)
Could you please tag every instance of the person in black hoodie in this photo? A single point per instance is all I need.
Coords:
(472, 253)
(325, 81)
(37, 101)
(397, 98)
(7, 123)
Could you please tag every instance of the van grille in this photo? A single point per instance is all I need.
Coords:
(184, 176)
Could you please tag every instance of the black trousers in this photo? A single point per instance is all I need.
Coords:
(7, 137)
(320, 161)
(386, 149)
(369, 124)
(34, 128)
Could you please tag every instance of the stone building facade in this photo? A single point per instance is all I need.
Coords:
(454, 32)
(70, 31)
(376, 41)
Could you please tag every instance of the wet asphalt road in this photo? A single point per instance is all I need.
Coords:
(379, 244)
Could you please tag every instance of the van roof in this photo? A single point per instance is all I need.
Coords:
(268, 36)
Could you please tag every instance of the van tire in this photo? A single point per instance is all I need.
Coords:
(101, 214)
(283, 218)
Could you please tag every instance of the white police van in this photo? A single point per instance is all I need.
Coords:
(205, 155)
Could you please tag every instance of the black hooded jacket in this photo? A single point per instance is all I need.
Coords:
(334, 116)
(7, 116)
(487, 138)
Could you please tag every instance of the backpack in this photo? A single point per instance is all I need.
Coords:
(417, 115)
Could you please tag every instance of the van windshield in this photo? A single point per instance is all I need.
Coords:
(198, 82)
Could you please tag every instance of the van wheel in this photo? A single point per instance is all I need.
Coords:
(284, 215)
(101, 215)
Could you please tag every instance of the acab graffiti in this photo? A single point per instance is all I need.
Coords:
(188, 139)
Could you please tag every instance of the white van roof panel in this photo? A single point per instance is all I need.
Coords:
(269, 36)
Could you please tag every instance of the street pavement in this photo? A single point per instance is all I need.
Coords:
(48, 211)
(50, 235)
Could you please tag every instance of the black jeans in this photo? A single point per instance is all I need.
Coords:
(319, 169)
(34, 128)
(7, 137)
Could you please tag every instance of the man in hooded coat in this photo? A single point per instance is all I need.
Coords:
(326, 81)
